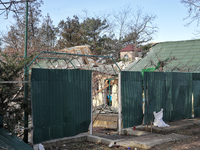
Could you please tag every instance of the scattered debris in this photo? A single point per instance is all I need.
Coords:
(105, 109)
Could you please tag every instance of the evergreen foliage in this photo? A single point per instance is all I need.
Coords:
(11, 94)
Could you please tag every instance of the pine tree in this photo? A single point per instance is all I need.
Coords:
(70, 33)
(95, 34)
(47, 33)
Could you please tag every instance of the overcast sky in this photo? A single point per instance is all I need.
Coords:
(170, 14)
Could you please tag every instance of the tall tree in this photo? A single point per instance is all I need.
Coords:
(120, 24)
(141, 29)
(70, 33)
(95, 31)
(14, 40)
(47, 33)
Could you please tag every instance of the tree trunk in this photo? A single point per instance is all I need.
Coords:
(136, 50)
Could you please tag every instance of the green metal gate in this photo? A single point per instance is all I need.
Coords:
(61, 103)
(131, 97)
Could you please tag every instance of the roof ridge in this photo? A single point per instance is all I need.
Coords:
(178, 41)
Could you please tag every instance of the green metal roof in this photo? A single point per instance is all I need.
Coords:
(186, 54)
(12, 142)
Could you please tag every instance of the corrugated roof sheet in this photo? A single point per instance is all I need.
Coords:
(12, 142)
(130, 47)
(186, 54)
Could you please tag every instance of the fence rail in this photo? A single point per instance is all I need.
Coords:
(14, 81)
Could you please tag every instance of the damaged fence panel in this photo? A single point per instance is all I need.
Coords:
(61, 103)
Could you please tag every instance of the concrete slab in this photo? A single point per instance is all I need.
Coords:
(175, 125)
(146, 141)
(130, 131)
(61, 141)
(150, 140)
(137, 138)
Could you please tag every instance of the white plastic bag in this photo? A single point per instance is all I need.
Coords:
(158, 121)
(38, 147)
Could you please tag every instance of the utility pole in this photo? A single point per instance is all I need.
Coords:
(26, 79)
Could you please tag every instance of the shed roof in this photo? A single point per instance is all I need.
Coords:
(12, 142)
(130, 47)
(186, 56)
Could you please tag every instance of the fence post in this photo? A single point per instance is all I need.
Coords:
(119, 98)
(91, 124)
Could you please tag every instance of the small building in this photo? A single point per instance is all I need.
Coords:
(128, 52)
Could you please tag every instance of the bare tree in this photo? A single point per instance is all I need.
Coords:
(193, 10)
(14, 38)
(121, 26)
(162, 63)
(141, 28)
(121, 21)
(10, 6)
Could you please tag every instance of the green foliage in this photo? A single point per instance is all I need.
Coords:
(11, 94)
(145, 48)
(95, 34)
(70, 33)
(47, 33)
(91, 32)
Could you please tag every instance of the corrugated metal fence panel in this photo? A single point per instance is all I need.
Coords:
(181, 92)
(61, 103)
(154, 95)
(170, 91)
(131, 96)
(196, 93)
(40, 104)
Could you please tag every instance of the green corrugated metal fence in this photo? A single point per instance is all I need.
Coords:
(131, 96)
(155, 89)
(181, 95)
(61, 103)
(196, 93)
(170, 91)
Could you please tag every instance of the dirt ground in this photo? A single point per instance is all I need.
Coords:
(188, 143)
